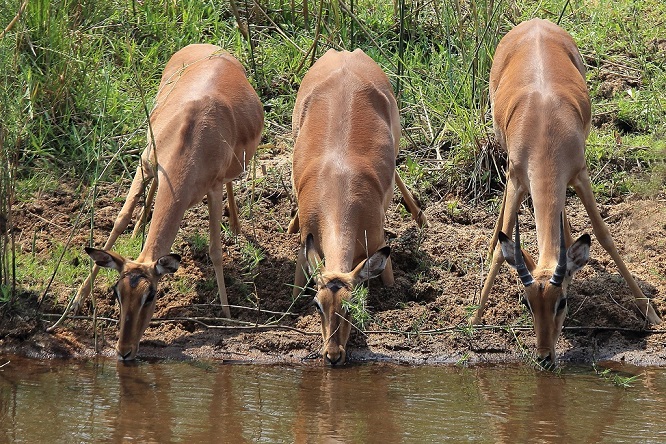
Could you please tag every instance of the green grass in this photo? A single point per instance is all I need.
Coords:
(198, 242)
(357, 307)
(614, 377)
(80, 78)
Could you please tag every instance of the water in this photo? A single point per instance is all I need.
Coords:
(102, 401)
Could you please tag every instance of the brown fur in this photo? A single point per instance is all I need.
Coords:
(204, 129)
(347, 131)
(541, 115)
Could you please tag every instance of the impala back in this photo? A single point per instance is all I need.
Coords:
(346, 129)
(204, 129)
(541, 115)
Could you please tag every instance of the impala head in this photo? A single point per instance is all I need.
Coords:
(135, 291)
(546, 291)
(332, 289)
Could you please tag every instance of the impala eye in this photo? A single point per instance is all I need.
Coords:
(562, 305)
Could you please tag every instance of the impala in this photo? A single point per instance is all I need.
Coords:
(346, 129)
(541, 116)
(204, 129)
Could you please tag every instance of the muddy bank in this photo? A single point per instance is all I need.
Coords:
(422, 319)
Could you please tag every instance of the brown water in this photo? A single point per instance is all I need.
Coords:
(102, 401)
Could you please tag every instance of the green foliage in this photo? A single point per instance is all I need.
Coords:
(5, 294)
(80, 78)
(357, 306)
(252, 255)
(81, 75)
(198, 242)
(615, 377)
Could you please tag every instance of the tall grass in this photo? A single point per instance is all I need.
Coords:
(80, 75)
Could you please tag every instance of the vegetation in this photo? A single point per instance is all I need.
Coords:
(79, 78)
(614, 377)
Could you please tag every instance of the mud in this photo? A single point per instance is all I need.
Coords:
(422, 319)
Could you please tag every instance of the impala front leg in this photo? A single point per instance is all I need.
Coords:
(145, 212)
(507, 219)
(584, 191)
(294, 224)
(410, 202)
(387, 275)
(300, 280)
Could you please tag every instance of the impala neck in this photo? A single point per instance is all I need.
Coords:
(548, 198)
(340, 255)
(164, 226)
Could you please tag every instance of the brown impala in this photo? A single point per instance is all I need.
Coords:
(541, 116)
(205, 128)
(347, 129)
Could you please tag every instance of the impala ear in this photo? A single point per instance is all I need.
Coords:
(106, 259)
(167, 264)
(508, 248)
(312, 257)
(578, 254)
(372, 266)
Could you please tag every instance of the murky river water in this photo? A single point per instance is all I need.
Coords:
(102, 401)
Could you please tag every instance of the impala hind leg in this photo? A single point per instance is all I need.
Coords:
(121, 223)
(584, 191)
(215, 212)
(410, 202)
(234, 223)
(294, 224)
(507, 218)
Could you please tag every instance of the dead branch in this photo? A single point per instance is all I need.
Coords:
(15, 19)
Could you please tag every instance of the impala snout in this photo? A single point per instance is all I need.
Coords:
(125, 353)
(137, 297)
(132, 326)
(129, 336)
(548, 315)
(334, 355)
(546, 359)
(335, 328)
(546, 342)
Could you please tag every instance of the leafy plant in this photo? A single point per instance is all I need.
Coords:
(5, 294)
(614, 377)
(198, 242)
(357, 306)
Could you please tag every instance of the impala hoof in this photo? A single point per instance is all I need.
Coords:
(475, 320)
(652, 316)
(421, 220)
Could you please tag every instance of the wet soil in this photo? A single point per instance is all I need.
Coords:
(423, 318)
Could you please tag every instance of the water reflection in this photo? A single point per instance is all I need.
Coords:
(107, 401)
(552, 408)
(143, 411)
(334, 406)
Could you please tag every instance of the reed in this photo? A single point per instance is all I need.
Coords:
(81, 75)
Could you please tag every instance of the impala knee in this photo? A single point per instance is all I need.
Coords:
(216, 256)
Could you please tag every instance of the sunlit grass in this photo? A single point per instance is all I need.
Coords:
(81, 77)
